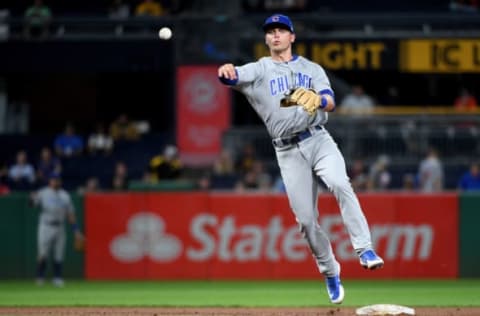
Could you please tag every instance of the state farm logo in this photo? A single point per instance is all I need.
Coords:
(223, 238)
(213, 237)
(226, 240)
(145, 237)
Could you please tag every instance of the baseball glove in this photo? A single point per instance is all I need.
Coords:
(79, 242)
(308, 99)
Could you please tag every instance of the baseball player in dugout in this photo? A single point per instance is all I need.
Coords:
(292, 96)
(55, 209)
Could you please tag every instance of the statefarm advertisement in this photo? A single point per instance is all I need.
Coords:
(230, 236)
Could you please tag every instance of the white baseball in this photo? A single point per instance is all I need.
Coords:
(165, 33)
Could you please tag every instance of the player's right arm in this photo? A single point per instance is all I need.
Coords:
(232, 75)
(227, 72)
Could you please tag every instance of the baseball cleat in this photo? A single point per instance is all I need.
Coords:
(370, 260)
(335, 289)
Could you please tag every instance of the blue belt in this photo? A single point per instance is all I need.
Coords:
(295, 139)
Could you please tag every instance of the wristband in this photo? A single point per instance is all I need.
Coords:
(323, 102)
(74, 227)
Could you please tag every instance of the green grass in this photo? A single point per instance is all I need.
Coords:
(240, 293)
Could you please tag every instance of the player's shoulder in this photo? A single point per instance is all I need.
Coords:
(264, 60)
(306, 61)
(258, 63)
(266, 63)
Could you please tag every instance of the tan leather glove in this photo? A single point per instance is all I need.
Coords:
(78, 242)
(308, 99)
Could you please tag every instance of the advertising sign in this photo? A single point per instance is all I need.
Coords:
(231, 236)
(203, 113)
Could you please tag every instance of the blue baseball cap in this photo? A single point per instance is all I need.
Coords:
(278, 20)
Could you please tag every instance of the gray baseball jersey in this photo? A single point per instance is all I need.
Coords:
(265, 83)
(55, 206)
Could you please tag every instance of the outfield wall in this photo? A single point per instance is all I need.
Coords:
(18, 233)
(469, 235)
(231, 236)
(181, 235)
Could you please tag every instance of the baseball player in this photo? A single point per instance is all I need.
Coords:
(56, 207)
(292, 95)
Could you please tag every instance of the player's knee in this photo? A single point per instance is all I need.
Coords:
(306, 224)
(337, 185)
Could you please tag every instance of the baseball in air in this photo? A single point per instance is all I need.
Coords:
(165, 33)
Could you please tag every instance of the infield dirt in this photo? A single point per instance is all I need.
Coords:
(161, 311)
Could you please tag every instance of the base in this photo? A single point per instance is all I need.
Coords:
(384, 310)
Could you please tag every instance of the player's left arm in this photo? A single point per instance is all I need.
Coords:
(72, 219)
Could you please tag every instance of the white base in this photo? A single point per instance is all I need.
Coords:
(384, 310)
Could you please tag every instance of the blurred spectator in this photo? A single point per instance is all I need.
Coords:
(123, 129)
(119, 10)
(92, 184)
(285, 5)
(149, 8)
(249, 181)
(465, 101)
(255, 179)
(430, 172)
(379, 176)
(68, 144)
(120, 179)
(470, 180)
(409, 130)
(99, 141)
(224, 164)
(4, 23)
(246, 159)
(264, 182)
(47, 164)
(166, 166)
(358, 176)
(468, 6)
(37, 20)
(357, 102)
(21, 174)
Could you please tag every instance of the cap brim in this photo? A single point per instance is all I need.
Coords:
(276, 25)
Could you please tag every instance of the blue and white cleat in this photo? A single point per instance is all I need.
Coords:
(335, 289)
(370, 260)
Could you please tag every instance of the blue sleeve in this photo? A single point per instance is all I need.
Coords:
(229, 82)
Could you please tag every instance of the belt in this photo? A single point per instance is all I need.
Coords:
(295, 139)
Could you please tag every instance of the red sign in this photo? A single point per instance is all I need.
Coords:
(203, 113)
(230, 236)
